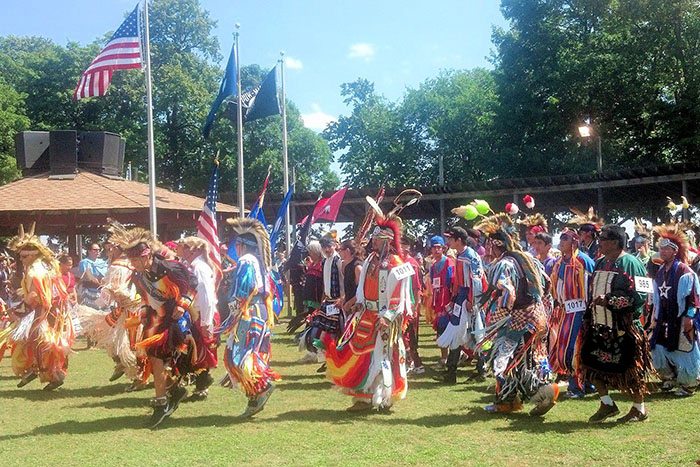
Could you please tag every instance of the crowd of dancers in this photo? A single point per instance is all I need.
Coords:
(589, 314)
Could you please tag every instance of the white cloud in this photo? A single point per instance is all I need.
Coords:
(362, 50)
(293, 63)
(317, 120)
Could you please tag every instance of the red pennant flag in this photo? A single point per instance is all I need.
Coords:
(327, 209)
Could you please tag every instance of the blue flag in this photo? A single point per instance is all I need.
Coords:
(256, 212)
(229, 87)
(280, 218)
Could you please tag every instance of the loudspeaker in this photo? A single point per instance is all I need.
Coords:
(102, 152)
(63, 152)
(32, 150)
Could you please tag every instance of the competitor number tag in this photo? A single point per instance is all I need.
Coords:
(332, 310)
(403, 271)
(436, 282)
(643, 284)
(573, 306)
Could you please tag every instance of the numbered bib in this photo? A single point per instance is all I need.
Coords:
(403, 271)
(574, 306)
(643, 284)
(436, 282)
(332, 310)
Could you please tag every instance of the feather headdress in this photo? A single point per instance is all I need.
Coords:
(503, 232)
(257, 230)
(589, 218)
(532, 221)
(132, 239)
(501, 229)
(641, 229)
(27, 240)
(390, 225)
(673, 235)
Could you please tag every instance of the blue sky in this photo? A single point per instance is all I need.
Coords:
(394, 44)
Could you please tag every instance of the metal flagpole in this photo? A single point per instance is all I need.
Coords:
(285, 161)
(149, 112)
(241, 181)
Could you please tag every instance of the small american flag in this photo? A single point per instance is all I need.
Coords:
(207, 225)
(122, 52)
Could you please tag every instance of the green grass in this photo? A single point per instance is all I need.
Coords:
(90, 421)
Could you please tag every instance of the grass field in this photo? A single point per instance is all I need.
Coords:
(90, 421)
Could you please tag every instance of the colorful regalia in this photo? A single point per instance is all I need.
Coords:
(466, 319)
(674, 347)
(369, 361)
(613, 346)
(516, 323)
(441, 273)
(205, 321)
(570, 278)
(247, 353)
(119, 328)
(42, 333)
(328, 318)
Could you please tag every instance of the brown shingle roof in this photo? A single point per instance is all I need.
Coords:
(89, 191)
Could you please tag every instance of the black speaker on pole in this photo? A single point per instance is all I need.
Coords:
(63, 152)
(32, 150)
(102, 152)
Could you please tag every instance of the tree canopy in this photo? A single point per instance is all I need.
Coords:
(630, 67)
(38, 77)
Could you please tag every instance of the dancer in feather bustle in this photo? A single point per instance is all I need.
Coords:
(674, 338)
(42, 333)
(167, 290)
(369, 361)
(516, 322)
(119, 328)
(614, 352)
(247, 353)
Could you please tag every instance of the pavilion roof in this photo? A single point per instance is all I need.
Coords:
(87, 198)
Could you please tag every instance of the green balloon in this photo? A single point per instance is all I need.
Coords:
(483, 207)
(471, 213)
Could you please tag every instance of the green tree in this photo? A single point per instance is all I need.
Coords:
(630, 66)
(185, 81)
(375, 144)
(12, 120)
(452, 116)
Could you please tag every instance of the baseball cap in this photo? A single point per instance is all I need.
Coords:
(437, 241)
(457, 233)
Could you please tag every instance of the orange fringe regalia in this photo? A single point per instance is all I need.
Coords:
(42, 335)
(368, 362)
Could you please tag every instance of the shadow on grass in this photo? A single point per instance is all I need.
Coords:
(37, 394)
(324, 384)
(122, 403)
(75, 427)
(287, 364)
(311, 376)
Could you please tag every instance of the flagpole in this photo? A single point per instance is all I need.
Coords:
(285, 160)
(149, 112)
(239, 129)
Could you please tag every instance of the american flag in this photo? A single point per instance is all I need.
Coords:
(207, 226)
(122, 52)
